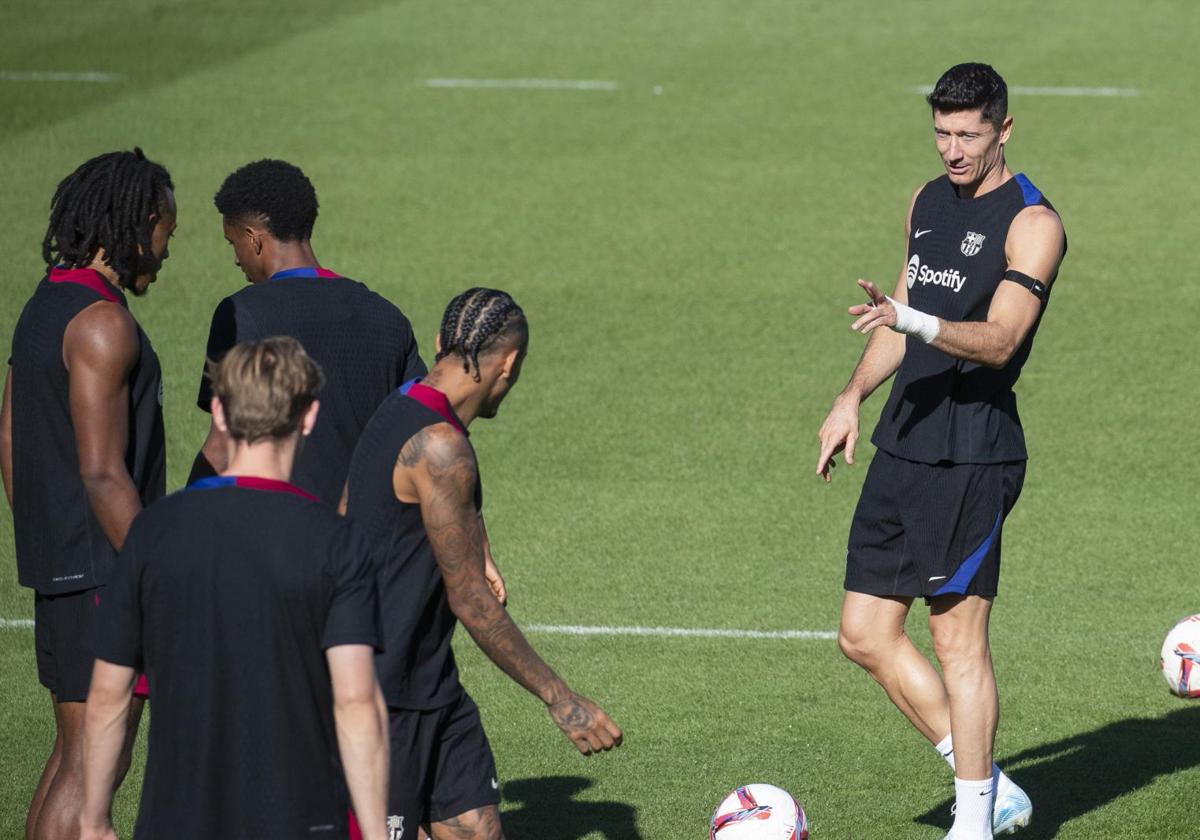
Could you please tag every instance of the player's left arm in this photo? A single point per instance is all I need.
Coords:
(6, 437)
(105, 722)
(1035, 247)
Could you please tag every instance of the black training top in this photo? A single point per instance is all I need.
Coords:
(944, 409)
(417, 668)
(362, 342)
(228, 594)
(60, 544)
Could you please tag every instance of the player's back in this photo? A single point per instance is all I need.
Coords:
(240, 585)
(60, 545)
(363, 343)
(417, 668)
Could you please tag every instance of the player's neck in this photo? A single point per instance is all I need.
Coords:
(461, 390)
(271, 459)
(98, 265)
(287, 255)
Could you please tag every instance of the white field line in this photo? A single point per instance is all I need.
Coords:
(58, 76)
(709, 633)
(1026, 90)
(581, 630)
(523, 84)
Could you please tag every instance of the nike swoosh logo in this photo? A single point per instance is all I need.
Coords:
(939, 577)
(921, 233)
(495, 784)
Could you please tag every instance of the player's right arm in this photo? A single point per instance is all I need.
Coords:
(6, 437)
(100, 348)
(105, 724)
(440, 466)
(360, 716)
(880, 359)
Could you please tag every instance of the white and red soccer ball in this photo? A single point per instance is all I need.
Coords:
(1180, 661)
(759, 812)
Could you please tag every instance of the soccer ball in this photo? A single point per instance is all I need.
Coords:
(1181, 657)
(759, 812)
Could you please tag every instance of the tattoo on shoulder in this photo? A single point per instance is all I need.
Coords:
(414, 449)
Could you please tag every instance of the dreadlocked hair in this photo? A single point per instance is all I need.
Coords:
(106, 203)
(476, 321)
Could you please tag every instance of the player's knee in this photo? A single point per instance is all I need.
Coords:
(960, 652)
(858, 646)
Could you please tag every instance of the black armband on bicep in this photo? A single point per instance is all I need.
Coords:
(1037, 287)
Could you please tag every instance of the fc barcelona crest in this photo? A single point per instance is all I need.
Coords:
(972, 244)
(395, 826)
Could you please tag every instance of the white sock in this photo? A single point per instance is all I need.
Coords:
(945, 749)
(973, 811)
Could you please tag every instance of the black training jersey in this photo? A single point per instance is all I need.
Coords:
(416, 669)
(942, 408)
(60, 544)
(228, 594)
(362, 342)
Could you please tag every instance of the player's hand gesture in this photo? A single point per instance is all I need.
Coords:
(838, 432)
(878, 313)
(494, 578)
(586, 724)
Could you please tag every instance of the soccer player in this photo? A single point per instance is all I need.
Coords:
(81, 435)
(414, 487)
(253, 609)
(984, 247)
(363, 343)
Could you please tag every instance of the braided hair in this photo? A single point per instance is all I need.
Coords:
(476, 321)
(107, 203)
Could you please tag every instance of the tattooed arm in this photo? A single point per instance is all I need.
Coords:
(439, 466)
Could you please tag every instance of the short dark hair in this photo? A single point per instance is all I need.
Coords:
(273, 192)
(478, 321)
(107, 203)
(971, 87)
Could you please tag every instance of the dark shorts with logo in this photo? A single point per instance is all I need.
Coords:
(930, 529)
(442, 766)
(60, 624)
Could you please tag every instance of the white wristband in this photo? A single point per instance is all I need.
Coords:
(914, 322)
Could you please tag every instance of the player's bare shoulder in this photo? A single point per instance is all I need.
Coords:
(439, 455)
(104, 333)
(1036, 237)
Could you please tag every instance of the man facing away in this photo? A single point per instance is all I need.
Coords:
(253, 610)
(984, 247)
(362, 342)
(82, 446)
(414, 488)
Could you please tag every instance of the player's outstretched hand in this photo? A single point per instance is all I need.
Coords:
(586, 724)
(494, 578)
(838, 432)
(878, 313)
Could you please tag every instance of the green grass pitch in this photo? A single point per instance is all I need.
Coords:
(685, 245)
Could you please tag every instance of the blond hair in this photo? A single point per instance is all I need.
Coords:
(265, 387)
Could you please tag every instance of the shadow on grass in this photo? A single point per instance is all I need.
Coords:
(1068, 778)
(544, 809)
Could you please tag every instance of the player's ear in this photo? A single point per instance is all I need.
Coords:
(1006, 129)
(437, 343)
(510, 363)
(218, 415)
(310, 418)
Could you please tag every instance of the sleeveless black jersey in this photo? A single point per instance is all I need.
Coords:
(943, 409)
(363, 343)
(228, 595)
(59, 542)
(416, 669)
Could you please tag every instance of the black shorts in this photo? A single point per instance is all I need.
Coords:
(442, 765)
(60, 625)
(930, 529)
